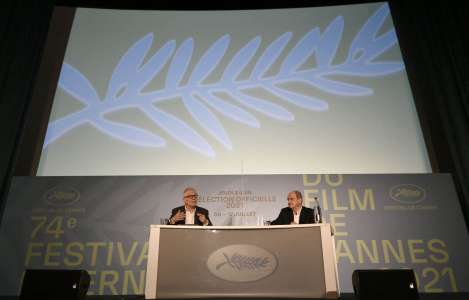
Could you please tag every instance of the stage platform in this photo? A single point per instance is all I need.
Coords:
(423, 296)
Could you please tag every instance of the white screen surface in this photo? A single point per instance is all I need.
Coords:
(307, 90)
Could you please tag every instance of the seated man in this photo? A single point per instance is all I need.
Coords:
(295, 213)
(190, 213)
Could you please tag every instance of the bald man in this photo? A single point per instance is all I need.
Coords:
(295, 213)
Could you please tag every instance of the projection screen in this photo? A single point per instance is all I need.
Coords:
(279, 91)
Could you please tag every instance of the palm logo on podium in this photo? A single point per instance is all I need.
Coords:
(241, 262)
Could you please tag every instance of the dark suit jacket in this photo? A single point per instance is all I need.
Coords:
(286, 216)
(198, 210)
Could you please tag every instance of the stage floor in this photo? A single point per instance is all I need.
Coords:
(422, 296)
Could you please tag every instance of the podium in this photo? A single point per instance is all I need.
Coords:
(294, 261)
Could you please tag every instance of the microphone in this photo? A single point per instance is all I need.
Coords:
(317, 212)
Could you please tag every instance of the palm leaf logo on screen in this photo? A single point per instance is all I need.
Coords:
(228, 97)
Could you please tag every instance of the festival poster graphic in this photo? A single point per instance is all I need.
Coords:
(101, 224)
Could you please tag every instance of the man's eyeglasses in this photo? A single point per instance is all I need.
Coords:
(192, 196)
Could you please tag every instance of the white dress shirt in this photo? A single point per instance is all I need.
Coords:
(190, 215)
(296, 216)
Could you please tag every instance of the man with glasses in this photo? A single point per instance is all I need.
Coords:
(190, 213)
(295, 213)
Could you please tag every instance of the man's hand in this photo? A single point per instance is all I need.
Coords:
(179, 216)
(202, 219)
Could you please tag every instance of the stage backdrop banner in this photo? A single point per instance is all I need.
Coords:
(101, 224)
